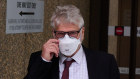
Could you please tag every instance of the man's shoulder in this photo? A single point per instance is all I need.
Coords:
(99, 58)
(97, 54)
(36, 54)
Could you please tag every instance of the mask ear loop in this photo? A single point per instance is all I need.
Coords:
(80, 38)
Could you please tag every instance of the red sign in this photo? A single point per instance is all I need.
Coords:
(119, 30)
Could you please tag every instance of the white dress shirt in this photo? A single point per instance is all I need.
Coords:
(78, 69)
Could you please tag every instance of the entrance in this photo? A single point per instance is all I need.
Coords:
(115, 28)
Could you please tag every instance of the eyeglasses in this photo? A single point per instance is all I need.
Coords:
(61, 34)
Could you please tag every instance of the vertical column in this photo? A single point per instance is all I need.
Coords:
(138, 45)
(113, 21)
(98, 36)
(133, 40)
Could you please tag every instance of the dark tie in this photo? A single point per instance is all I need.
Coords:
(66, 69)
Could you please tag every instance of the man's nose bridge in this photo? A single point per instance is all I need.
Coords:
(66, 35)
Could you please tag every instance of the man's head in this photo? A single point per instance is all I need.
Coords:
(67, 20)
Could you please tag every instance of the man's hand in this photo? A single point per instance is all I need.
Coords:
(50, 48)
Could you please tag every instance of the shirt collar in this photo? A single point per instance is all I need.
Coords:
(77, 57)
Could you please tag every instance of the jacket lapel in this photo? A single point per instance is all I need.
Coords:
(55, 69)
(91, 64)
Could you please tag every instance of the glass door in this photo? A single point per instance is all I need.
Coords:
(124, 36)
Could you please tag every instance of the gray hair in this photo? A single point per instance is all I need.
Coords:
(67, 14)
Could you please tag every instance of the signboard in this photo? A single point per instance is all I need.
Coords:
(24, 16)
(138, 31)
(125, 70)
(119, 30)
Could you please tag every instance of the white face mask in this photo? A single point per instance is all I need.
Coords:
(68, 45)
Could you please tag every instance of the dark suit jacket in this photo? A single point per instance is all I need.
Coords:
(100, 66)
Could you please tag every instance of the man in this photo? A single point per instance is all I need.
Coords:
(64, 57)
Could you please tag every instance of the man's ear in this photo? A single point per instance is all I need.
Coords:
(83, 33)
(53, 33)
